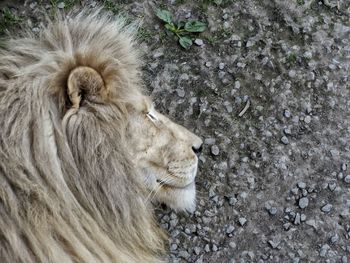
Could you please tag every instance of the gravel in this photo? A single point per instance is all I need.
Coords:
(290, 149)
(303, 202)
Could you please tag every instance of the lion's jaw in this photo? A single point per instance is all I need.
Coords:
(165, 155)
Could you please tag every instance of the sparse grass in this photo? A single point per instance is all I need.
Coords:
(112, 6)
(7, 20)
(144, 34)
(292, 58)
(300, 2)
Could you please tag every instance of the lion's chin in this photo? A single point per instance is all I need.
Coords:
(178, 199)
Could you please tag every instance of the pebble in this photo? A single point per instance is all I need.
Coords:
(197, 250)
(303, 202)
(214, 248)
(287, 114)
(307, 119)
(230, 229)
(61, 5)
(326, 208)
(302, 217)
(332, 186)
(292, 73)
(297, 220)
(347, 179)
(242, 221)
(199, 42)
(232, 244)
(180, 93)
(284, 140)
(334, 239)
(208, 64)
(273, 210)
(221, 66)
(215, 150)
(344, 166)
(301, 185)
(324, 250)
(183, 254)
(207, 248)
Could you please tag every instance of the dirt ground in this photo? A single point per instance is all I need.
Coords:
(267, 87)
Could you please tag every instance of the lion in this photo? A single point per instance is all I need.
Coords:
(83, 152)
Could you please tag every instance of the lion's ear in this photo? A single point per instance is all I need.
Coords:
(83, 82)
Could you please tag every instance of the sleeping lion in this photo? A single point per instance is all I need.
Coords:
(82, 151)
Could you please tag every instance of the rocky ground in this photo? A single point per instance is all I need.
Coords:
(267, 87)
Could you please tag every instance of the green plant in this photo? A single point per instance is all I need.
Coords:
(300, 2)
(7, 19)
(182, 30)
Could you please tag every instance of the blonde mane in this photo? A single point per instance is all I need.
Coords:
(68, 189)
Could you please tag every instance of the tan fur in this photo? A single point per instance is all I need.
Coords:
(80, 155)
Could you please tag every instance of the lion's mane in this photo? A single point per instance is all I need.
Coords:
(68, 190)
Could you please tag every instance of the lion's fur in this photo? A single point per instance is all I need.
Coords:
(68, 191)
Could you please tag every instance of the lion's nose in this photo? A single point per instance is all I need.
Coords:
(197, 149)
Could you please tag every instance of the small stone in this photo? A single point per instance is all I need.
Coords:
(301, 185)
(221, 66)
(287, 114)
(297, 219)
(232, 201)
(334, 153)
(232, 244)
(242, 221)
(215, 150)
(303, 202)
(324, 250)
(284, 140)
(307, 119)
(225, 16)
(61, 5)
(183, 254)
(312, 222)
(307, 55)
(344, 259)
(214, 248)
(292, 73)
(334, 239)
(347, 179)
(199, 42)
(230, 229)
(173, 247)
(197, 250)
(286, 226)
(237, 84)
(273, 243)
(207, 248)
(326, 208)
(302, 217)
(332, 186)
(273, 210)
(344, 166)
(208, 64)
(180, 93)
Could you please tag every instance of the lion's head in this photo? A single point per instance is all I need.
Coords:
(83, 151)
(166, 155)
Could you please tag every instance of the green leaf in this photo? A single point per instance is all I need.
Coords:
(170, 27)
(164, 15)
(195, 26)
(185, 42)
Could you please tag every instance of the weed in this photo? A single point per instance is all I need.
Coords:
(182, 30)
(111, 6)
(292, 58)
(7, 19)
(300, 2)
